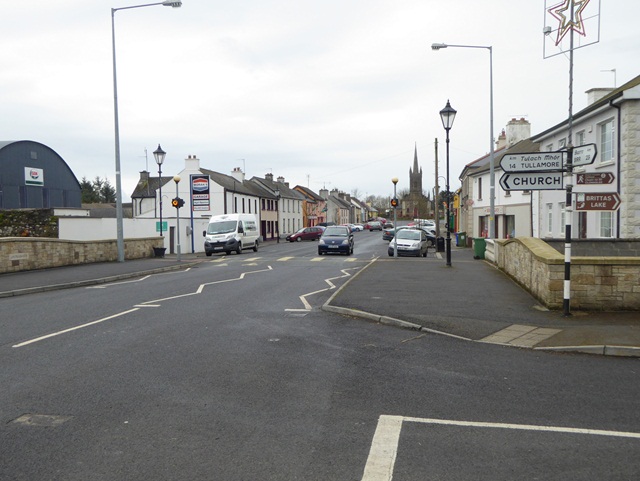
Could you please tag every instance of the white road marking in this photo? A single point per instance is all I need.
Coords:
(154, 303)
(53, 334)
(384, 446)
(384, 449)
(303, 297)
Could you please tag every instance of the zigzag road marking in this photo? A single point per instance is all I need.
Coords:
(201, 288)
(154, 303)
(303, 298)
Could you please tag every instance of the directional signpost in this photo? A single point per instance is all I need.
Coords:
(532, 181)
(584, 155)
(595, 179)
(598, 201)
(533, 162)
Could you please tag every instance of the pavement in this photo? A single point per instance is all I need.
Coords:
(471, 300)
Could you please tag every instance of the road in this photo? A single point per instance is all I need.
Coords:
(230, 371)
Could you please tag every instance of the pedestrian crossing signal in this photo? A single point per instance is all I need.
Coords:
(394, 202)
(177, 202)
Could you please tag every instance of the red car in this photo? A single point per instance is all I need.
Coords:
(306, 233)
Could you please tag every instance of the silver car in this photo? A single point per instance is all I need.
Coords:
(410, 242)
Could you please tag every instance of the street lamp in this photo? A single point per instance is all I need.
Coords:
(176, 179)
(395, 220)
(448, 114)
(277, 193)
(119, 222)
(492, 175)
(159, 155)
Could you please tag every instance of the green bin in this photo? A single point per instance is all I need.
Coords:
(461, 239)
(479, 246)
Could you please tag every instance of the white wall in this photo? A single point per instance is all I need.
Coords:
(86, 229)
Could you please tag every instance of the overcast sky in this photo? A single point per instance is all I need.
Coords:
(331, 93)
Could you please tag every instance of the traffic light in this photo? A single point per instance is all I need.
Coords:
(394, 202)
(177, 202)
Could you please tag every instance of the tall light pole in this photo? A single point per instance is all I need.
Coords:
(176, 179)
(448, 114)
(395, 218)
(119, 222)
(159, 155)
(492, 175)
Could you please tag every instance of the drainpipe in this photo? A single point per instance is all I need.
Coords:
(618, 158)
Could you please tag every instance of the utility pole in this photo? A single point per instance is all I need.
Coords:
(436, 200)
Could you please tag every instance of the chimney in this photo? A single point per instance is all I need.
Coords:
(144, 176)
(517, 130)
(268, 177)
(593, 95)
(324, 193)
(502, 140)
(237, 174)
(192, 163)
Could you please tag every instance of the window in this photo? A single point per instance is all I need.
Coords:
(550, 218)
(580, 138)
(606, 141)
(606, 224)
(562, 143)
(480, 188)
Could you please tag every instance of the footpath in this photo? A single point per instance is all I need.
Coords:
(471, 300)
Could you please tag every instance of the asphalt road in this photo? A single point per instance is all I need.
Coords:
(230, 371)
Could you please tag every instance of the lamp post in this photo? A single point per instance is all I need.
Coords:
(159, 155)
(119, 222)
(395, 219)
(492, 175)
(277, 193)
(176, 179)
(448, 114)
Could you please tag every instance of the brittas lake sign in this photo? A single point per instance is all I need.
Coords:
(532, 162)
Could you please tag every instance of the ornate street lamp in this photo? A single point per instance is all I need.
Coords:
(448, 114)
(159, 155)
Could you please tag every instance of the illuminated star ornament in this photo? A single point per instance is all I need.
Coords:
(567, 21)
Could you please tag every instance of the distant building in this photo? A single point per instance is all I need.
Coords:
(34, 176)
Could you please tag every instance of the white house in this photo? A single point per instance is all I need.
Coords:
(611, 121)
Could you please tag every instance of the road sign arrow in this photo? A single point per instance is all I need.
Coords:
(532, 181)
(533, 162)
(595, 179)
(584, 155)
(605, 201)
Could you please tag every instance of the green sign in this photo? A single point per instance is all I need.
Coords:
(165, 226)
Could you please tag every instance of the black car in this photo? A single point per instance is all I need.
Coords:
(336, 238)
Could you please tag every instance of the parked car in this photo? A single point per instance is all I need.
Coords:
(359, 227)
(409, 242)
(326, 224)
(306, 233)
(373, 225)
(336, 238)
(388, 234)
(387, 225)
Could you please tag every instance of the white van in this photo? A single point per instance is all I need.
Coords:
(231, 232)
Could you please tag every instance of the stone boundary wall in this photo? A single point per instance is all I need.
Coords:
(599, 247)
(28, 253)
(597, 283)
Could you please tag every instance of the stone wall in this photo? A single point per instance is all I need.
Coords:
(597, 283)
(599, 247)
(28, 253)
(28, 223)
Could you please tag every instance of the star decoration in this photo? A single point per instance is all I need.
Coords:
(566, 22)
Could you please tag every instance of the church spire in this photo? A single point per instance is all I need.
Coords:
(415, 158)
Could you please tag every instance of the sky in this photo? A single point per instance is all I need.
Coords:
(332, 93)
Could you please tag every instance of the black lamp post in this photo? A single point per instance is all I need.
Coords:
(448, 114)
(159, 155)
